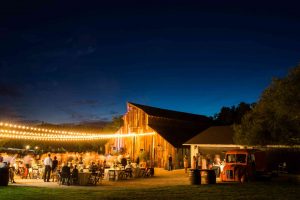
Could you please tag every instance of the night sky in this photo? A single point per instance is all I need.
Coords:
(63, 61)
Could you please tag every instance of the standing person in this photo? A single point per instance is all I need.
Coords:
(170, 162)
(137, 160)
(199, 161)
(54, 168)
(185, 163)
(27, 162)
(194, 162)
(12, 168)
(48, 165)
(54, 164)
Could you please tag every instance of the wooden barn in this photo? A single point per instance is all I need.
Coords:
(170, 130)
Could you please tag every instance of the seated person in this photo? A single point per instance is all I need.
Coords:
(65, 174)
(123, 162)
(93, 168)
(128, 168)
(75, 174)
(75, 171)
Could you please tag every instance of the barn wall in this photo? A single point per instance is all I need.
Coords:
(155, 146)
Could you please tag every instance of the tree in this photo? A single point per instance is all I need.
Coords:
(276, 117)
(232, 115)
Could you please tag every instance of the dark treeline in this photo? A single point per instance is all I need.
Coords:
(232, 115)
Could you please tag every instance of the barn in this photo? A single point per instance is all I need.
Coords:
(170, 130)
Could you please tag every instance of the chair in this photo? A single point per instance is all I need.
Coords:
(54, 176)
(64, 179)
(95, 178)
(147, 172)
(128, 173)
(142, 172)
(74, 179)
(35, 173)
(121, 175)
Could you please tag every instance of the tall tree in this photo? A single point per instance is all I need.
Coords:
(276, 117)
(232, 115)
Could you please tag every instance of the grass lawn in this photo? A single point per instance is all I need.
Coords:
(254, 190)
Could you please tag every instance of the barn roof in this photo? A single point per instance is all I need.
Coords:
(214, 135)
(175, 127)
(170, 114)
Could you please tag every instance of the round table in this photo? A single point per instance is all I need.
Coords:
(83, 178)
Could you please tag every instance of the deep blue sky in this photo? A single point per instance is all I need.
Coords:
(63, 61)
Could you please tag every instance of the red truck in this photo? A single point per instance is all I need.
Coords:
(244, 164)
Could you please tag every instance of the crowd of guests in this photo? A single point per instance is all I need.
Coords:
(51, 167)
(200, 161)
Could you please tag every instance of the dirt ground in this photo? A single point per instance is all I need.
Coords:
(161, 178)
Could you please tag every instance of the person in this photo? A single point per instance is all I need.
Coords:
(170, 162)
(74, 175)
(12, 168)
(65, 174)
(48, 166)
(128, 169)
(27, 162)
(123, 162)
(137, 160)
(185, 163)
(1, 158)
(216, 165)
(11, 173)
(80, 161)
(209, 162)
(194, 162)
(199, 161)
(54, 164)
(54, 169)
(104, 164)
(93, 168)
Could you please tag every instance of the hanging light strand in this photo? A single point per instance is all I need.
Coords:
(13, 131)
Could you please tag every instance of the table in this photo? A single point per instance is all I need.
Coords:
(83, 178)
(113, 172)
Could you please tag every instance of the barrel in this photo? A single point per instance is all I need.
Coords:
(194, 176)
(208, 176)
(4, 176)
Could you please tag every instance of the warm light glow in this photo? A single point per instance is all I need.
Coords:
(32, 133)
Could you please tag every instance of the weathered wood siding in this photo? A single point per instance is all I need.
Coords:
(158, 149)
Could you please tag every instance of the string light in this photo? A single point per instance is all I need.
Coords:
(56, 135)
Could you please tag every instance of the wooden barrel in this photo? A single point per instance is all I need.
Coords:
(194, 176)
(208, 177)
(4, 176)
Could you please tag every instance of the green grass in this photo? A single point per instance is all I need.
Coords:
(258, 190)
